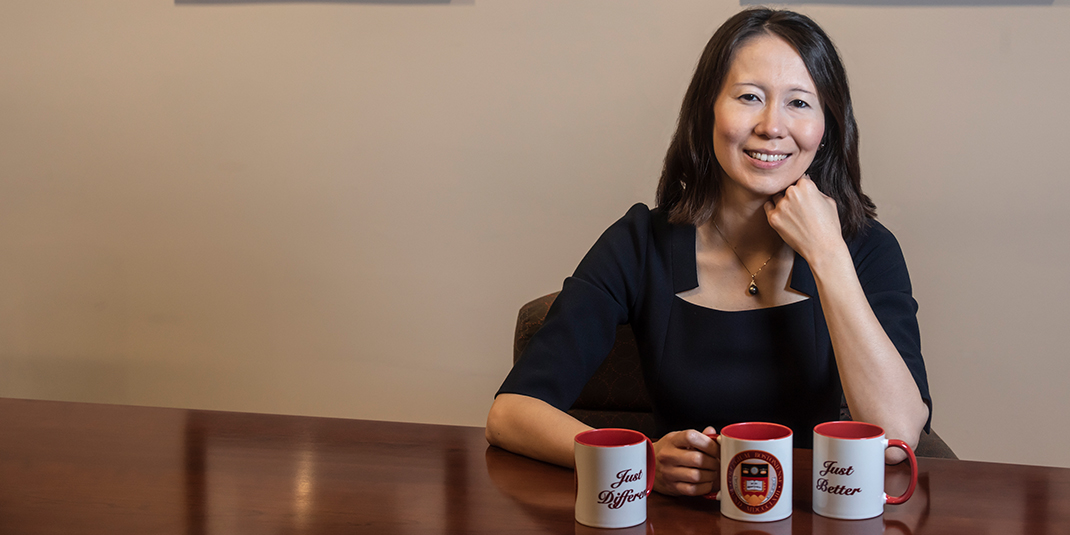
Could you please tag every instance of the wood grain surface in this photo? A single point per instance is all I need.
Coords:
(76, 468)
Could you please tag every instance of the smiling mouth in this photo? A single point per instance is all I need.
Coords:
(766, 157)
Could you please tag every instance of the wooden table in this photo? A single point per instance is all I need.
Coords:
(85, 468)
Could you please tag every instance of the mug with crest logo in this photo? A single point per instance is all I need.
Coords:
(755, 471)
(614, 476)
(849, 470)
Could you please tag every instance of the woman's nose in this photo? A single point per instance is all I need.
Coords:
(770, 123)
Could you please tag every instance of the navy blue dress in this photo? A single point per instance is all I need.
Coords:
(704, 366)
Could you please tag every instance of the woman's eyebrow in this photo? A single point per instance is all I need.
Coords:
(763, 88)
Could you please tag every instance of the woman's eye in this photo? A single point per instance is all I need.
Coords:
(799, 104)
(749, 97)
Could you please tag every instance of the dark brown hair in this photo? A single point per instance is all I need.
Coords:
(690, 185)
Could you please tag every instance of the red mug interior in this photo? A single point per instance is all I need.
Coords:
(756, 431)
(608, 438)
(849, 430)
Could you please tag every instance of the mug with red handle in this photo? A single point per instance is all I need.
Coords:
(849, 470)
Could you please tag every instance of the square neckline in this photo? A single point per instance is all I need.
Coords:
(805, 299)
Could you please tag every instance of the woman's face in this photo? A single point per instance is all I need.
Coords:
(768, 121)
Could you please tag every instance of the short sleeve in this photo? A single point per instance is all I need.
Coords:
(580, 327)
(882, 272)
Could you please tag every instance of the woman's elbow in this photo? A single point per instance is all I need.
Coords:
(909, 432)
(920, 417)
(495, 420)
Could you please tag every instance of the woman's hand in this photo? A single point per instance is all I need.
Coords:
(688, 463)
(806, 219)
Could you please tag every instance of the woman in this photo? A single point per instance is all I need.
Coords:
(760, 288)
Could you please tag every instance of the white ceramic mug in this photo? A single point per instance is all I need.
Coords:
(755, 471)
(849, 470)
(614, 476)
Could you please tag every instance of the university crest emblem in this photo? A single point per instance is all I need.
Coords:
(756, 481)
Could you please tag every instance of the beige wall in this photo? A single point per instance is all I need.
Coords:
(336, 209)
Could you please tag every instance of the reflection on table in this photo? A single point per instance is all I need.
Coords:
(86, 468)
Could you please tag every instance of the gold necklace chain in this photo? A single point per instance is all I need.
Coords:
(753, 288)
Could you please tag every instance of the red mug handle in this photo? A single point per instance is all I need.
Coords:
(715, 494)
(651, 464)
(895, 500)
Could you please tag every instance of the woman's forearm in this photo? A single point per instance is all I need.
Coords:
(876, 382)
(534, 428)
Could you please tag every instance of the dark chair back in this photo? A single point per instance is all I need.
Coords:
(616, 396)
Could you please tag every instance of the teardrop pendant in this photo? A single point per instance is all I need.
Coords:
(753, 288)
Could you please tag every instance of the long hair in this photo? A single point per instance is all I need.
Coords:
(691, 181)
